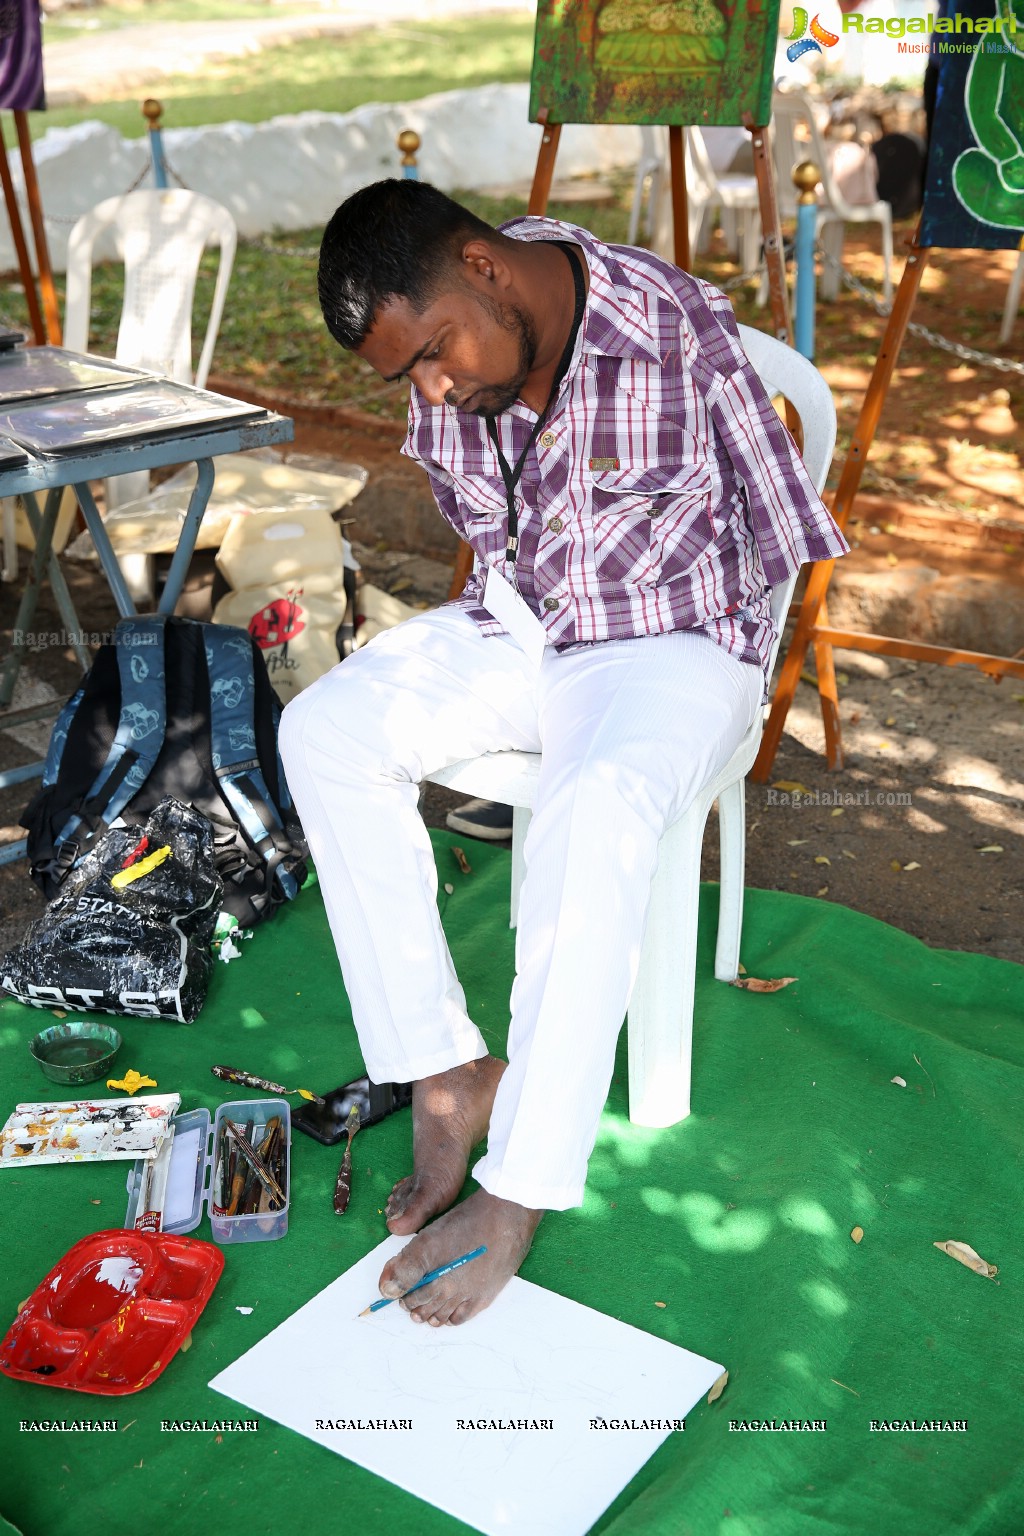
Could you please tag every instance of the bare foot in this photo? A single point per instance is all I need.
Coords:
(450, 1114)
(505, 1229)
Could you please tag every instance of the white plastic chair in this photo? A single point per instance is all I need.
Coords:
(734, 194)
(1012, 300)
(796, 137)
(660, 1016)
(160, 235)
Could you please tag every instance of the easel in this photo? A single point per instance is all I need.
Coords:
(771, 234)
(45, 322)
(809, 631)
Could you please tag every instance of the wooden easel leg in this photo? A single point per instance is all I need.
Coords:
(828, 694)
(680, 211)
(35, 208)
(771, 230)
(542, 176)
(849, 481)
(18, 236)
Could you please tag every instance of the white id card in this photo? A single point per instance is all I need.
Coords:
(510, 609)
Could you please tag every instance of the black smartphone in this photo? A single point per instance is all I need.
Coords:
(326, 1122)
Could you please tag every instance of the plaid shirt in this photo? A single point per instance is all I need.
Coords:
(664, 492)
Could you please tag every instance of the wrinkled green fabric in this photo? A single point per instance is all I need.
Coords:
(738, 1219)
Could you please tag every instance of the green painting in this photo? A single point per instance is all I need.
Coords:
(654, 61)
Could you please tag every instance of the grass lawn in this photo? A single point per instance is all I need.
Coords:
(326, 74)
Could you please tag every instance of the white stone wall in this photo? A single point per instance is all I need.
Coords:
(292, 172)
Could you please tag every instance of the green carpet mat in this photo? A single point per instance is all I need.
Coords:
(738, 1221)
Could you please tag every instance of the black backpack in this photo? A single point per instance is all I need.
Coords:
(173, 707)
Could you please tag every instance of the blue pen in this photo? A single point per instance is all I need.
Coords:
(435, 1274)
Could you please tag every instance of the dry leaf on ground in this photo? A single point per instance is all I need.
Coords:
(965, 1254)
(991, 848)
(791, 787)
(912, 865)
(857, 1234)
(900, 1081)
(755, 984)
(719, 1387)
(821, 858)
(461, 860)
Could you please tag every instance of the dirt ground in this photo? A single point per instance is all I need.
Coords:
(922, 827)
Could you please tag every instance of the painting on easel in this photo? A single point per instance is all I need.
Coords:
(654, 61)
(974, 189)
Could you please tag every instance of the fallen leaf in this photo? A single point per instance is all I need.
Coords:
(791, 787)
(94, 1202)
(823, 890)
(796, 842)
(402, 585)
(719, 1387)
(900, 1081)
(820, 858)
(742, 970)
(809, 677)
(661, 1304)
(754, 984)
(892, 559)
(461, 860)
(991, 848)
(889, 720)
(897, 693)
(848, 855)
(857, 1234)
(895, 864)
(965, 1254)
(449, 890)
(59, 1013)
(838, 811)
(912, 865)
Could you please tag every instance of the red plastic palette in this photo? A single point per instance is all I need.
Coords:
(113, 1313)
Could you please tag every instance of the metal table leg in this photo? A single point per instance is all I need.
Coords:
(30, 596)
(187, 538)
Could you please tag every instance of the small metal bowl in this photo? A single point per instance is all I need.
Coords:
(76, 1053)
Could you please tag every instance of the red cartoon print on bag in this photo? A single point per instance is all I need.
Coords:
(277, 623)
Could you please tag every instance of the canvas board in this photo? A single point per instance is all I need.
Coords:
(531, 1358)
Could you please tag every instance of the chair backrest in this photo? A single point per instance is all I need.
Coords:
(784, 371)
(795, 137)
(160, 236)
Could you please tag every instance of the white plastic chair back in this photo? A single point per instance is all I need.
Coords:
(160, 236)
(796, 137)
(660, 1017)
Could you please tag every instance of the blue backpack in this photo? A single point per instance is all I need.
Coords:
(173, 707)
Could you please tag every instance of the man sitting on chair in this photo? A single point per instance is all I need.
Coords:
(591, 426)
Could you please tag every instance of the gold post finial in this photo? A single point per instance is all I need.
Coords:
(408, 142)
(152, 111)
(806, 177)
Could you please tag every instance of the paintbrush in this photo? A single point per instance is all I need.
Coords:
(250, 1080)
(255, 1162)
(343, 1188)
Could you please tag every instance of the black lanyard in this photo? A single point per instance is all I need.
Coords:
(510, 475)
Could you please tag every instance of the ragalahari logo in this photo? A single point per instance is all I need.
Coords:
(800, 43)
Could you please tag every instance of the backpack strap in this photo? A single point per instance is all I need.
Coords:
(233, 748)
(141, 726)
(58, 737)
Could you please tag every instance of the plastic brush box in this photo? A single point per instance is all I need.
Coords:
(209, 1170)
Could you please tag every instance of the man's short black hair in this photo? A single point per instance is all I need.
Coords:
(394, 239)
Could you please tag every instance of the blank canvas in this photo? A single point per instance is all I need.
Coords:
(530, 1356)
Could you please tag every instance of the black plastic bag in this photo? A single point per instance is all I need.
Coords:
(142, 949)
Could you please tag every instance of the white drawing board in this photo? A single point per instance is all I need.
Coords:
(530, 1356)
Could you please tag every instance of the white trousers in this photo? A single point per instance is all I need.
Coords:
(630, 730)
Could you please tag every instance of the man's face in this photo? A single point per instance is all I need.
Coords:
(465, 349)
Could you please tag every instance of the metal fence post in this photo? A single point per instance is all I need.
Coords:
(806, 177)
(408, 142)
(152, 111)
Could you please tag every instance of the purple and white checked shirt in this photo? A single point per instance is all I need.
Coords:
(664, 492)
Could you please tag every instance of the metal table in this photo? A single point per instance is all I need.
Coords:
(200, 443)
